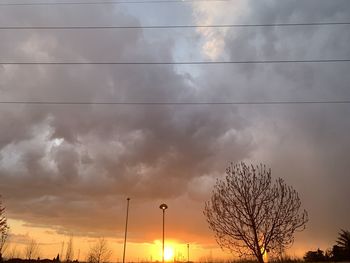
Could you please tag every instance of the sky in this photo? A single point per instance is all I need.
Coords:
(66, 170)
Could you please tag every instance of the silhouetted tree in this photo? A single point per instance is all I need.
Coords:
(100, 252)
(343, 243)
(337, 253)
(31, 250)
(69, 251)
(4, 229)
(315, 256)
(250, 214)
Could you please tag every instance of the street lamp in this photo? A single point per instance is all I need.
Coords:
(126, 226)
(163, 207)
(188, 253)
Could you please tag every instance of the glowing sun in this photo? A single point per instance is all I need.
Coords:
(168, 253)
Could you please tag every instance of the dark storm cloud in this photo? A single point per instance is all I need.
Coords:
(68, 166)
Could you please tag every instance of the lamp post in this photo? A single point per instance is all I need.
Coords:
(126, 227)
(188, 253)
(163, 207)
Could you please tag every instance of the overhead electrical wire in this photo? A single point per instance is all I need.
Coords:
(178, 103)
(164, 103)
(179, 63)
(170, 26)
(164, 63)
(110, 2)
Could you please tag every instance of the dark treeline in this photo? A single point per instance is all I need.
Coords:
(335, 254)
(339, 252)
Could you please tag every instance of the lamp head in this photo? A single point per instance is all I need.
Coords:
(163, 206)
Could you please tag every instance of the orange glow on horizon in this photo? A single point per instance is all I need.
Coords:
(173, 251)
(51, 243)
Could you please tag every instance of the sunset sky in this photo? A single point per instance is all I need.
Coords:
(66, 170)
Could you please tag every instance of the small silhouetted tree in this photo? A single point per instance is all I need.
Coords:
(4, 229)
(31, 250)
(100, 252)
(252, 215)
(70, 251)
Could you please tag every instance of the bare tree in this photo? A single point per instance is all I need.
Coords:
(69, 251)
(100, 252)
(31, 250)
(252, 215)
(4, 229)
(13, 252)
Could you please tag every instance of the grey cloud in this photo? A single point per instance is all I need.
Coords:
(67, 167)
(307, 145)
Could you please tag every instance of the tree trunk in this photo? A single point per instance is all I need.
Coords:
(260, 258)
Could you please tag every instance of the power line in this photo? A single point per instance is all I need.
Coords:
(291, 102)
(110, 2)
(181, 63)
(169, 26)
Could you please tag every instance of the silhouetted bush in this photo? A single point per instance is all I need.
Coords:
(315, 256)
